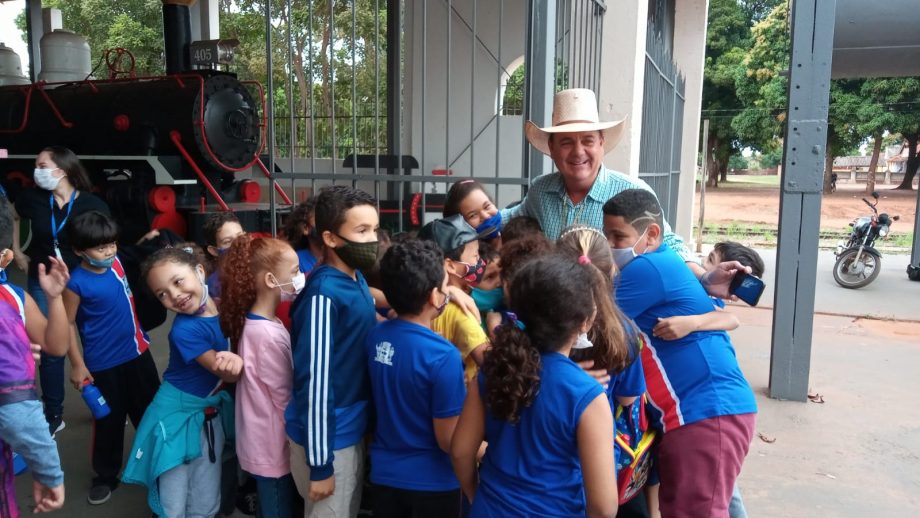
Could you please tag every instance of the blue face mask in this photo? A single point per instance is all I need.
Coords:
(100, 263)
(490, 228)
(488, 300)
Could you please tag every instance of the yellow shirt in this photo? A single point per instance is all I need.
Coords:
(464, 332)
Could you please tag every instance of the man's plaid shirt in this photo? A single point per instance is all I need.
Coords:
(548, 203)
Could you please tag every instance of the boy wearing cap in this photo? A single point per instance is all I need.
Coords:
(460, 244)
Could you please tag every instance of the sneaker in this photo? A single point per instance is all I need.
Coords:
(99, 495)
(56, 424)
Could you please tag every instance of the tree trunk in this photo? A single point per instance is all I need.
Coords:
(913, 161)
(723, 172)
(873, 163)
(828, 169)
(713, 167)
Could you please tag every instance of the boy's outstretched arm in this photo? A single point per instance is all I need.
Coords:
(313, 394)
(674, 328)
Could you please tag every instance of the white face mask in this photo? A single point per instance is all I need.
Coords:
(582, 342)
(624, 256)
(45, 178)
(298, 282)
(203, 306)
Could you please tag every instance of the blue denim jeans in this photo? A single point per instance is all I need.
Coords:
(51, 370)
(276, 496)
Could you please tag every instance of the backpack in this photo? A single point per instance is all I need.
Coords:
(633, 443)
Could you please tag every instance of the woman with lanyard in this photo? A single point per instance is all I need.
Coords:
(62, 193)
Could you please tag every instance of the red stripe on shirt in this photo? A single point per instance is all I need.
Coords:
(140, 342)
(659, 389)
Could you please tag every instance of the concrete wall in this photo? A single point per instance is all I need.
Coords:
(623, 78)
(690, 55)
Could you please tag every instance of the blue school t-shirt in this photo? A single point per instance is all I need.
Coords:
(189, 338)
(416, 376)
(306, 259)
(106, 317)
(695, 377)
(533, 468)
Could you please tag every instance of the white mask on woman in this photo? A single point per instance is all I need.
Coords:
(45, 178)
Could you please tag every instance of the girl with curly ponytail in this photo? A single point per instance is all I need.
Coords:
(256, 275)
(547, 422)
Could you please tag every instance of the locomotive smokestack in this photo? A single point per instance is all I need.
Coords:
(177, 33)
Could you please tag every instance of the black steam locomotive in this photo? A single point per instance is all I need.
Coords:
(160, 150)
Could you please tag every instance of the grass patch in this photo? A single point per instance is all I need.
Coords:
(752, 181)
(901, 240)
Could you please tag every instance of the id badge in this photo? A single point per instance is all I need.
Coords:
(57, 251)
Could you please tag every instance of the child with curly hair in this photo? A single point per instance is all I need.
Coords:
(257, 275)
(528, 386)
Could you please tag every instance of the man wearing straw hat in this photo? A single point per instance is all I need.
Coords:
(577, 142)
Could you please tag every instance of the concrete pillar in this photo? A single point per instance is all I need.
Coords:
(209, 13)
(690, 57)
(623, 79)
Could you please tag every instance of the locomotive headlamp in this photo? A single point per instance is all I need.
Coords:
(212, 52)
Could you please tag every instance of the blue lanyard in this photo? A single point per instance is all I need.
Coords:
(55, 228)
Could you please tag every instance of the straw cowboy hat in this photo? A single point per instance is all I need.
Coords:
(574, 110)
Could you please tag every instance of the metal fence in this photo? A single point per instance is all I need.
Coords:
(579, 35)
(413, 91)
(662, 122)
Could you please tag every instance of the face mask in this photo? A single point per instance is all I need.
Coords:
(360, 256)
(222, 251)
(203, 306)
(624, 256)
(582, 342)
(488, 300)
(99, 263)
(490, 228)
(45, 178)
(443, 304)
(474, 272)
(297, 282)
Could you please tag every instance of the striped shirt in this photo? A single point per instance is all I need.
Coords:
(548, 202)
(331, 392)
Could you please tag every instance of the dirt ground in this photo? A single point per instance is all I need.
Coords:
(744, 202)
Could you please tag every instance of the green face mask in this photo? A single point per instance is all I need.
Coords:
(360, 256)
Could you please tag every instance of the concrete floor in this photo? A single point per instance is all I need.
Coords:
(858, 454)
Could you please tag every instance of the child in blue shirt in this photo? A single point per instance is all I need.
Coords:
(418, 388)
(300, 232)
(178, 446)
(327, 416)
(220, 229)
(115, 355)
(703, 404)
(547, 422)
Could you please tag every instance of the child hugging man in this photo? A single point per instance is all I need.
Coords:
(327, 416)
(460, 245)
(418, 387)
(115, 355)
(699, 396)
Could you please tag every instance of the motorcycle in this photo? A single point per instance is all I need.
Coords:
(858, 262)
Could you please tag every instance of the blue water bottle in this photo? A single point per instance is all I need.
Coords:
(95, 400)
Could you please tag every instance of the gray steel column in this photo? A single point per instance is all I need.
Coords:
(539, 78)
(800, 199)
(394, 89)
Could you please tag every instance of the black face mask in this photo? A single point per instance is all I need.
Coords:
(360, 256)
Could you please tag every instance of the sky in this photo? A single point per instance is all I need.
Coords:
(9, 35)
